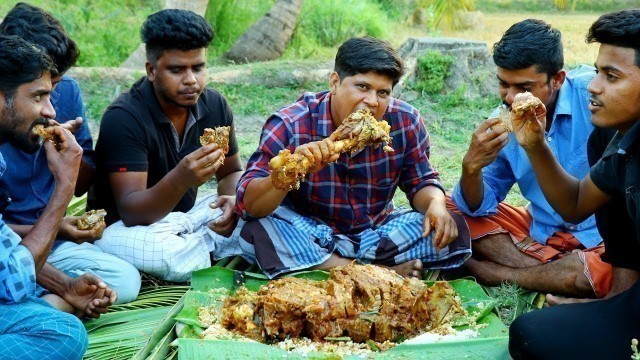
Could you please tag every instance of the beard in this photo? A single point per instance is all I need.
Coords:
(26, 141)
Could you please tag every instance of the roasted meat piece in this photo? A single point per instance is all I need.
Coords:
(219, 136)
(524, 106)
(356, 132)
(92, 219)
(363, 302)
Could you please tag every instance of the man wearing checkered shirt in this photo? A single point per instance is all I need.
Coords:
(344, 209)
(33, 327)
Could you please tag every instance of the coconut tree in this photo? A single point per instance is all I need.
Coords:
(267, 38)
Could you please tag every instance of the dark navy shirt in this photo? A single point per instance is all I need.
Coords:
(27, 179)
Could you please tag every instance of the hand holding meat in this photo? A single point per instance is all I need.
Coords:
(64, 157)
(486, 142)
(198, 167)
(529, 120)
(218, 136)
(356, 132)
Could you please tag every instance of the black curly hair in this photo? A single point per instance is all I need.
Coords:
(365, 54)
(621, 28)
(174, 29)
(20, 63)
(43, 30)
(530, 42)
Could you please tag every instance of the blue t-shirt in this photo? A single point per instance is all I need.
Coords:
(27, 179)
(567, 139)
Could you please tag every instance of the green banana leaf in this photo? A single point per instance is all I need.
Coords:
(492, 343)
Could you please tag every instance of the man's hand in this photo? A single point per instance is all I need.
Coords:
(71, 125)
(437, 219)
(89, 295)
(487, 141)
(319, 154)
(64, 159)
(530, 130)
(198, 167)
(226, 223)
(69, 231)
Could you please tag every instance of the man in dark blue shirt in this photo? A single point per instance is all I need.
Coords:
(27, 180)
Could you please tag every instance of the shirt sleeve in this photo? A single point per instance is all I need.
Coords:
(497, 180)
(17, 267)
(603, 175)
(417, 171)
(275, 136)
(121, 143)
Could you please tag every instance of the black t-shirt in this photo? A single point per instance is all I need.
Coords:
(617, 172)
(135, 135)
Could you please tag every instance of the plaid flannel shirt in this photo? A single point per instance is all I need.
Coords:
(354, 193)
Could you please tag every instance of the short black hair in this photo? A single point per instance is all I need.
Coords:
(174, 29)
(527, 43)
(43, 30)
(20, 63)
(365, 54)
(621, 28)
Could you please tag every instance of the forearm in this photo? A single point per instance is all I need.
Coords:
(85, 178)
(227, 185)
(41, 237)
(147, 206)
(53, 279)
(472, 188)
(559, 188)
(21, 230)
(261, 198)
(426, 196)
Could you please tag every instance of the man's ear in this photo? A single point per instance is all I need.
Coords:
(334, 82)
(558, 79)
(151, 71)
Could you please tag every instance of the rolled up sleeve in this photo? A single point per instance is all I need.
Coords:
(17, 267)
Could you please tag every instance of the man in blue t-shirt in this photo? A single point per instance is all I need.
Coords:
(27, 184)
(31, 325)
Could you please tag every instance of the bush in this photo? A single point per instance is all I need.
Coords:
(433, 69)
(230, 19)
(330, 22)
(106, 31)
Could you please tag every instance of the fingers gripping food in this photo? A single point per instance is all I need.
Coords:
(523, 107)
(91, 220)
(356, 132)
(219, 136)
(41, 130)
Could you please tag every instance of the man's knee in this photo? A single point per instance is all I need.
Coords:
(73, 338)
(126, 282)
(520, 335)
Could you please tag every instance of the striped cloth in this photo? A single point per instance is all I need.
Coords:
(287, 241)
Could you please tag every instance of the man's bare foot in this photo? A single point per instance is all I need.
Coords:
(487, 272)
(560, 300)
(411, 268)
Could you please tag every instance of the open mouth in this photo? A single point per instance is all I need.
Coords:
(594, 105)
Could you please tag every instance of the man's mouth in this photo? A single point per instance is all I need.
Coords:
(594, 104)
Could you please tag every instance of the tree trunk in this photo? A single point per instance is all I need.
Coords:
(268, 37)
(137, 59)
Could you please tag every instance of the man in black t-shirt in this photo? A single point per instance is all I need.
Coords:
(150, 162)
(603, 328)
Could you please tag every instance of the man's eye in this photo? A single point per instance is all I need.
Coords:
(611, 77)
(38, 98)
(175, 71)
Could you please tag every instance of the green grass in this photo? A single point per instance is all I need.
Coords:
(106, 31)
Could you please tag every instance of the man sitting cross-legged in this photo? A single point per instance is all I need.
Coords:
(533, 246)
(28, 181)
(150, 161)
(597, 329)
(32, 327)
(344, 209)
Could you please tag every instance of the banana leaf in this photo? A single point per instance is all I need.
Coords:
(491, 344)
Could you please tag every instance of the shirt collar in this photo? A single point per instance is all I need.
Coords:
(324, 122)
(563, 102)
(620, 143)
(3, 165)
(199, 111)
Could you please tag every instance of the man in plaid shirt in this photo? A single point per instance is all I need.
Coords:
(344, 209)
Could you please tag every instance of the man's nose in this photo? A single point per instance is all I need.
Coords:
(48, 111)
(190, 78)
(371, 99)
